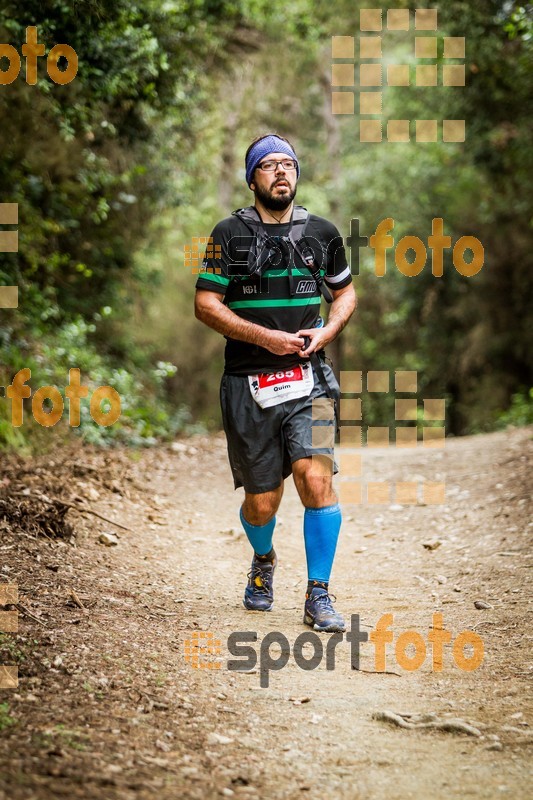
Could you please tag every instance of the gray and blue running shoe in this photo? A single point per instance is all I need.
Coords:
(259, 593)
(319, 612)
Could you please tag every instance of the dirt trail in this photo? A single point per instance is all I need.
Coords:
(108, 706)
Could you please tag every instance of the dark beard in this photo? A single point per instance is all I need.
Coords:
(275, 203)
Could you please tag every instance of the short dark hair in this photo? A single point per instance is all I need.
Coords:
(264, 136)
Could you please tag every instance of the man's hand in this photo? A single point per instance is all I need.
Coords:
(282, 343)
(344, 302)
(342, 308)
(319, 338)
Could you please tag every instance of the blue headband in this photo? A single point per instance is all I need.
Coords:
(270, 144)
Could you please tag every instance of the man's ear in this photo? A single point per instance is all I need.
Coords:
(252, 187)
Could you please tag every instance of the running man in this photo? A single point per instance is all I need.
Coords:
(262, 292)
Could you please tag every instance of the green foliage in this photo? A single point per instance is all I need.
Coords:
(10, 438)
(145, 416)
(521, 411)
(86, 163)
(5, 719)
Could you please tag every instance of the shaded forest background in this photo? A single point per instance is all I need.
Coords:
(115, 173)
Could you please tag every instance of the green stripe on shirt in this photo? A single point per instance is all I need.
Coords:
(210, 276)
(284, 273)
(284, 303)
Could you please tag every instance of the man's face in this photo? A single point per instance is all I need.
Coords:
(276, 190)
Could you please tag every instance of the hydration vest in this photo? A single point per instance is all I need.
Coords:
(265, 251)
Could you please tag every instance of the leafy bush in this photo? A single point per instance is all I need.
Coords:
(145, 416)
(5, 719)
(521, 411)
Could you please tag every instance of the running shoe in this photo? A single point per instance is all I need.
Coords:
(259, 593)
(320, 614)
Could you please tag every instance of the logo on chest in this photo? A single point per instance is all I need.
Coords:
(304, 287)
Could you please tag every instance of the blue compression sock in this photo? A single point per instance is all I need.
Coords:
(321, 531)
(259, 536)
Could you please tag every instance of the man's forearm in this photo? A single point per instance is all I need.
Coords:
(223, 320)
(340, 312)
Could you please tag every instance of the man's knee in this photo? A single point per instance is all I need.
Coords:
(314, 483)
(258, 509)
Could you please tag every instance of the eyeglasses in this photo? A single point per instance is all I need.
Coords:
(270, 166)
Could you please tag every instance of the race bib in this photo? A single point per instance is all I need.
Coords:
(271, 388)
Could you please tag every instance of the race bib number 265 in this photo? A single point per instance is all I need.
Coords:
(271, 388)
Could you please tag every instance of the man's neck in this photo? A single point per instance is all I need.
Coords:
(273, 217)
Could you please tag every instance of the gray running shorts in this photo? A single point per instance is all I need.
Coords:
(264, 442)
